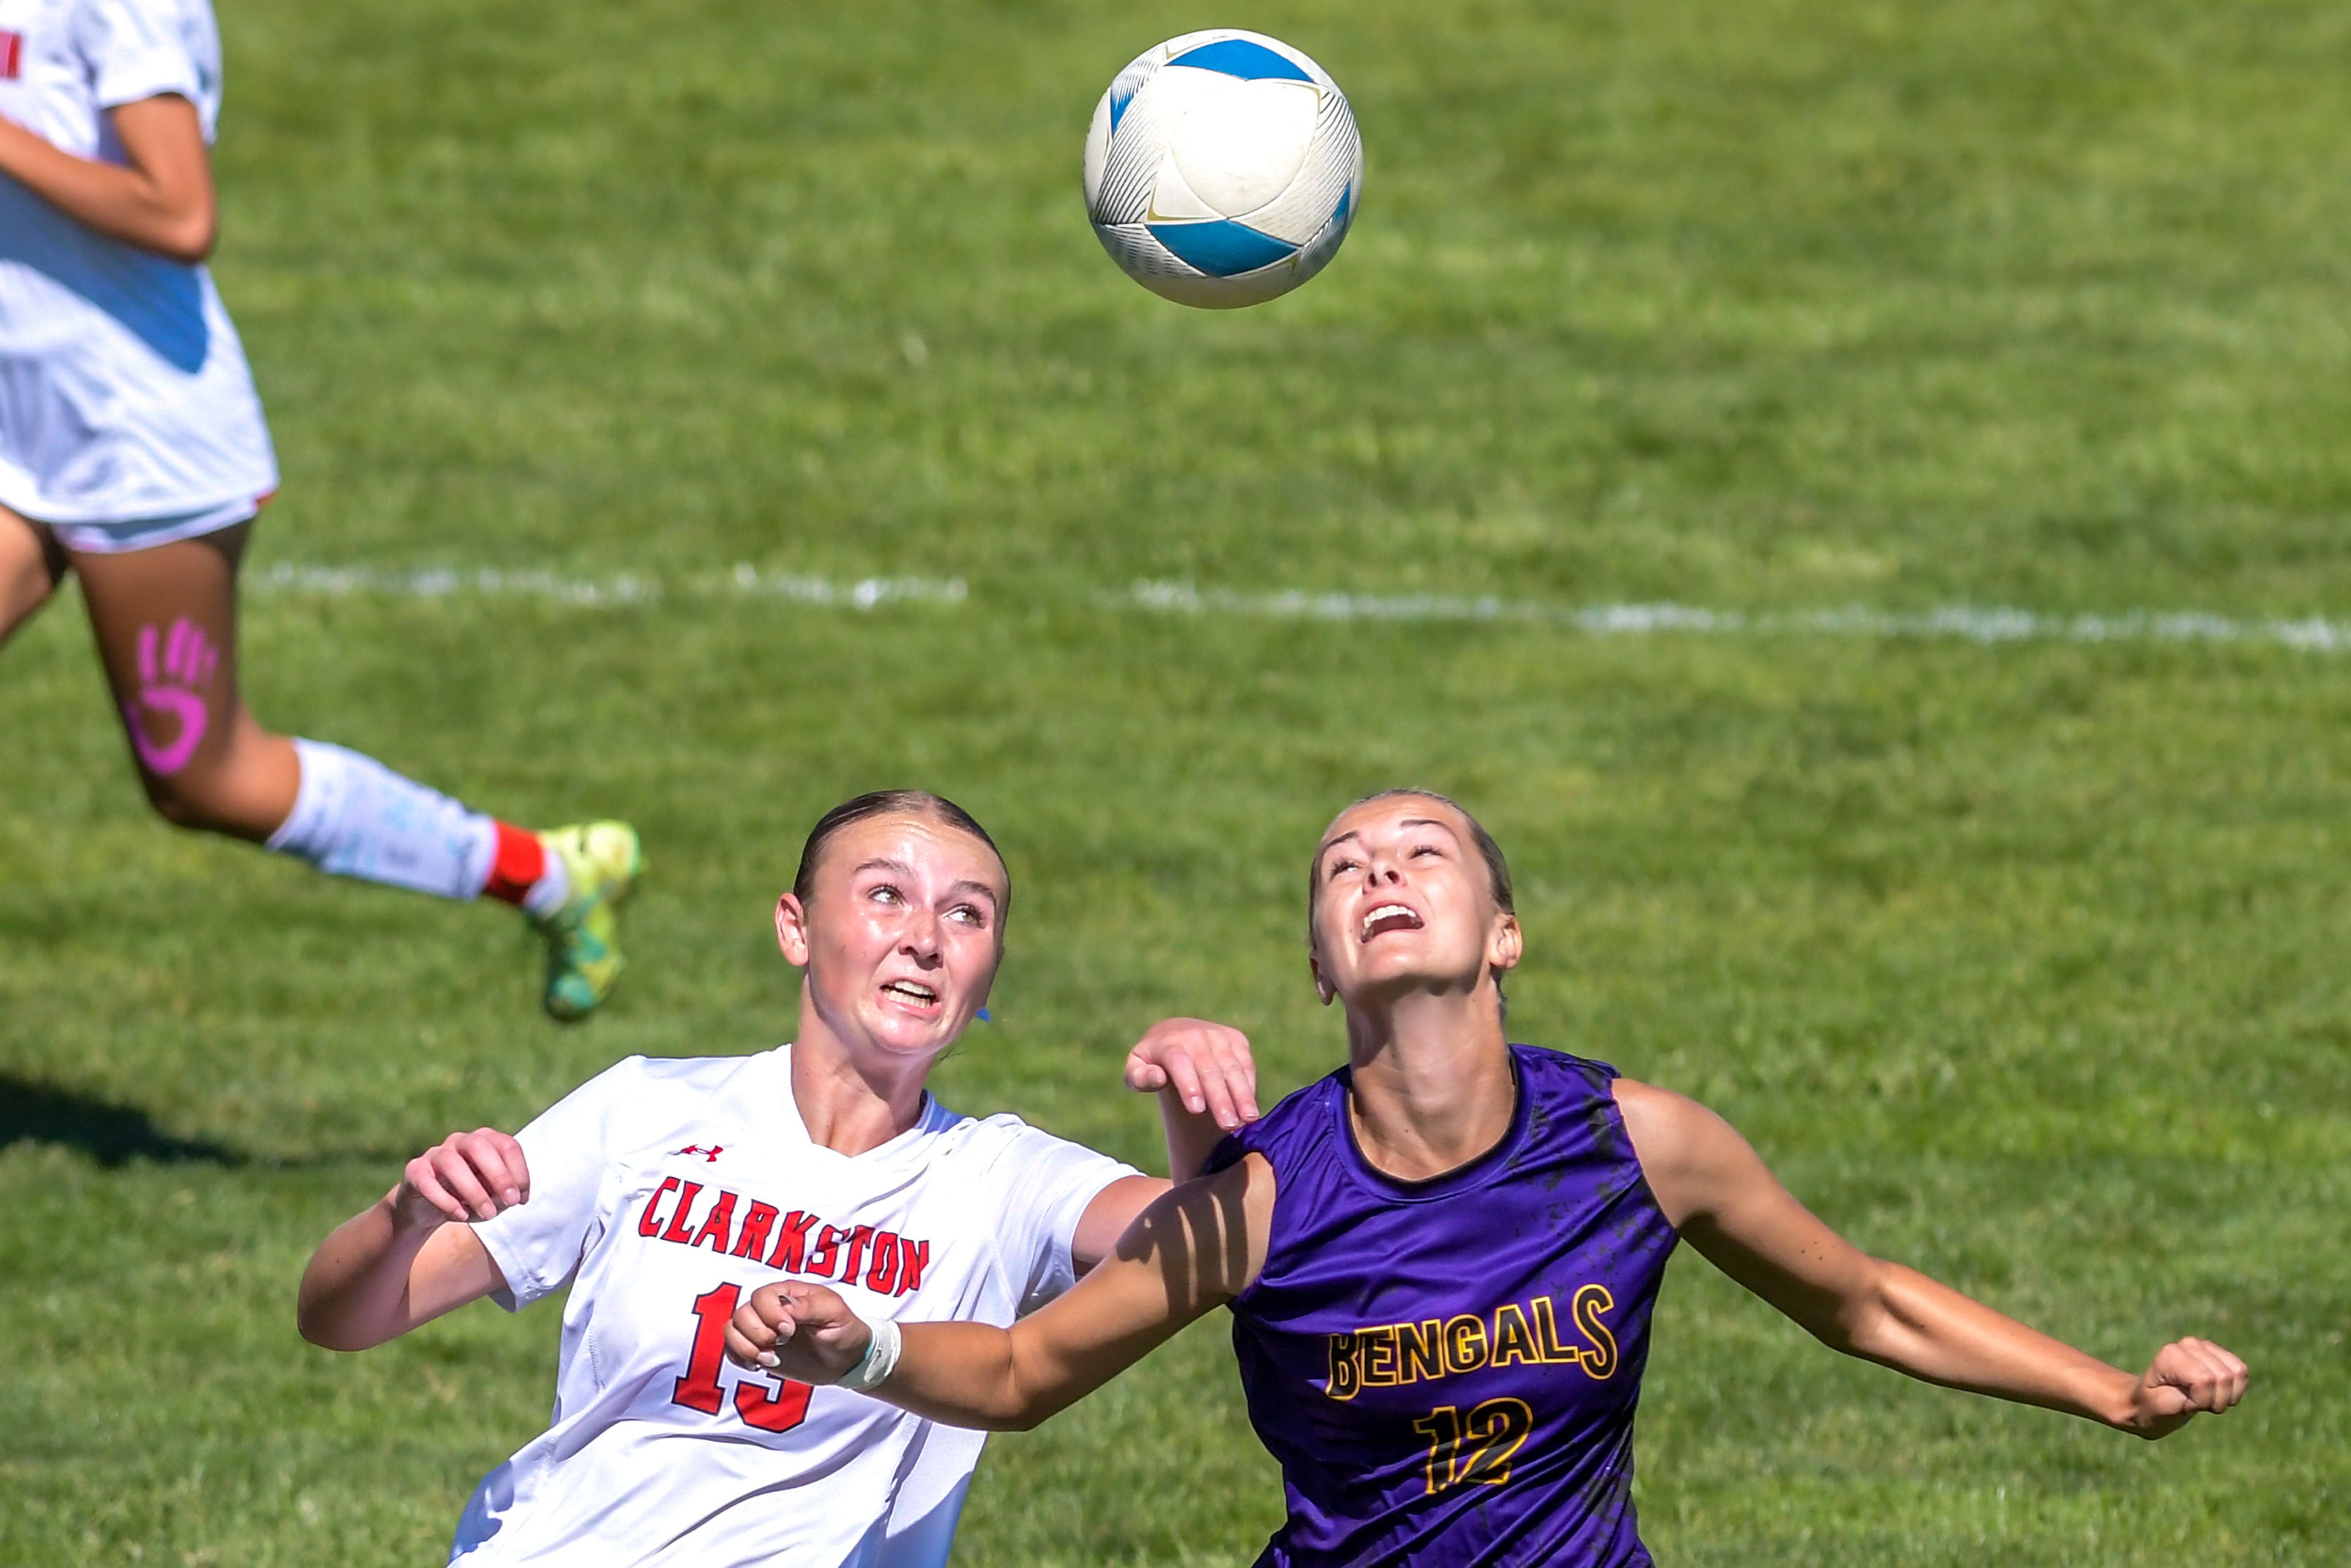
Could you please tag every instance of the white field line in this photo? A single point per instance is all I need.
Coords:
(1983, 625)
(1968, 623)
(485, 582)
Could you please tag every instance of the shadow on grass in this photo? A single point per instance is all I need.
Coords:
(112, 1134)
(117, 1135)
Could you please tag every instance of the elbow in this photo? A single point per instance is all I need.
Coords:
(1020, 1418)
(190, 243)
(1020, 1410)
(330, 1336)
(1026, 1417)
(187, 237)
(317, 1328)
(319, 1324)
(1880, 1322)
(1859, 1322)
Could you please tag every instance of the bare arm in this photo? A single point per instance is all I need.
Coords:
(413, 1255)
(1207, 1082)
(1727, 1204)
(1115, 1207)
(161, 201)
(1206, 1085)
(1197, 1248)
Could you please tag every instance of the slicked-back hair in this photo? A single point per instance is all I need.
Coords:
(1498, 870)
(891, 803)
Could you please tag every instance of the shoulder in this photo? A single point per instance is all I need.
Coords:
(1661, 1123)
(644, 1097)
(1001, 1136)
(1010, 1150)
(1544, 1068)
(1301, 1117)
(1687, 1151)
(662, 1077)
(127, 31)
(135, 20)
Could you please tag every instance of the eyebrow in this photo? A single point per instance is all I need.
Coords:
(1337, 838)
(884, 862)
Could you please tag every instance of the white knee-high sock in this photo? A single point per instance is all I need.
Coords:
(355, 817)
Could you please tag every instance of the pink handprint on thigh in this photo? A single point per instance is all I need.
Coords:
(174, 689)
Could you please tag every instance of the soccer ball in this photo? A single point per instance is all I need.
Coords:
(1222, 168)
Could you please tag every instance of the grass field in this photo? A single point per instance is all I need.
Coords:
(2023, 961)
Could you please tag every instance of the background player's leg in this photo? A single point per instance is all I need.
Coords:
(166, 624)
(31, 566)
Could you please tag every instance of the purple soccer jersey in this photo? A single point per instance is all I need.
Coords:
(1447, 1370)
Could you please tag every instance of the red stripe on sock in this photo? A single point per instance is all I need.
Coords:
(521, 861)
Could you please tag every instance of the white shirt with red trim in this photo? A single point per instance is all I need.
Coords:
(124, 391)
(663, 1192)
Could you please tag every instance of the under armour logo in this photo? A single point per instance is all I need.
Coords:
(709, 1155)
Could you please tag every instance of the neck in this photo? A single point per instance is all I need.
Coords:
(1433, 1086)
(851, 1101)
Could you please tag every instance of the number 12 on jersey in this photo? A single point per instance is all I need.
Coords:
(699, 1389)
(1476, 1446)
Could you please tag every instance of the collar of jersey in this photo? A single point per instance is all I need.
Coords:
(1472, 1173)
(931, 1118)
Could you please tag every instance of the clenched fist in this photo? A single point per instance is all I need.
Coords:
(805, 1332)
(2187, 1376)
(465, 1177)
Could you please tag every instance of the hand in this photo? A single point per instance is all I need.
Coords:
(805, 1332)
(465, 1177)
(2187, 1375)
(1206, 1064)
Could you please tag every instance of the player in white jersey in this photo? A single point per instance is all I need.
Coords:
(133, 453)
(662, 1192)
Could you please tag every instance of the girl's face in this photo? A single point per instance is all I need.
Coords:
(901, 936)
(1403, 902)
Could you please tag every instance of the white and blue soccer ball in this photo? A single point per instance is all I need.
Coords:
(1222, 168)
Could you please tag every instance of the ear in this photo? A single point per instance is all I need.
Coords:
(1323, 988)
(1505, 944)
(791, 931)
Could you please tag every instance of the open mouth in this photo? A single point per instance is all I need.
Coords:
(912, 992)
(1387, 917)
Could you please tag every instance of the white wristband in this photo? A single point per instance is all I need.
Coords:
(880, 1360)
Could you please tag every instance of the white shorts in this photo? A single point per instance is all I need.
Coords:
(146, 533)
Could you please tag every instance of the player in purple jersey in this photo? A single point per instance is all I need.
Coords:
(1441, 1259)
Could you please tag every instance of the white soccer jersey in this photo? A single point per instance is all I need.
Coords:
(665, 1192)
(124, 392)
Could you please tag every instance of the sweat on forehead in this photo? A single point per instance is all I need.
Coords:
(917, 805)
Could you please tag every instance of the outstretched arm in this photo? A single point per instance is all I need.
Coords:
(1197, 1248)
(413, 1255)
(1717, 1191)
(161, 201)
(1206, 1085)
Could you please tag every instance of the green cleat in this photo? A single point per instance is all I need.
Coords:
(602, 861)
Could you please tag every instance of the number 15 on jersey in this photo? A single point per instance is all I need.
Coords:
(699, 1389)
